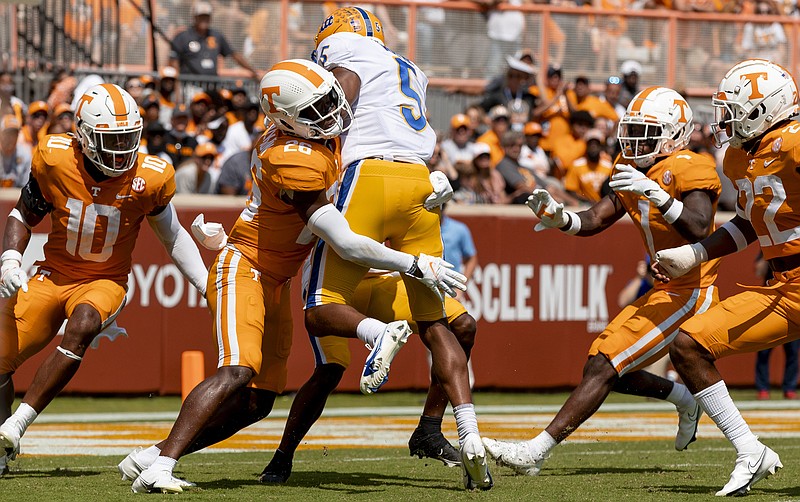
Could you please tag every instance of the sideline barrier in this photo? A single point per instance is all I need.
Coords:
(540, 299)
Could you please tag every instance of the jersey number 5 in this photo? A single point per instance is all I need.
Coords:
(415, 117)
(81, 228)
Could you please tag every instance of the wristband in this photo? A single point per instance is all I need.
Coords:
(574, 225)
(700, 252)
(736, 234)
(11, 254)
(674, 212)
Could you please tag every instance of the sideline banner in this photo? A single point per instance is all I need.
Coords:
(539, 298)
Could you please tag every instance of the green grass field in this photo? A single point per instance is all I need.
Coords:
(590, 471)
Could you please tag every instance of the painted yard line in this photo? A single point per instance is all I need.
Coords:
(398, 411)
(386, 432)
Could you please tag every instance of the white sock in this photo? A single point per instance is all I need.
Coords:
(719, 407)
(680, 396)
(542, 444)
(369, 330)
(163, 463)
(148, 456)
(466, 420)
(23, 418)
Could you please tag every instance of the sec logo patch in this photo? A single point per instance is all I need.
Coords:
(667, 177)
(138, 184)
(777, 145)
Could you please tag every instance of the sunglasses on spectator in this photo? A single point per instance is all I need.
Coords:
(614, 80)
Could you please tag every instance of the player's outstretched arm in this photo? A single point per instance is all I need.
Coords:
(731, 237)
(180, 246)
(589, 222)
(31, 208)
(326, 222)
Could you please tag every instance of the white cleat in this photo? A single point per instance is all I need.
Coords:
(132, 465)
(9, 441)
(376, 368)
(155, 481)
(750, 469)
(687, 426)
(514, 455)
(474, 467)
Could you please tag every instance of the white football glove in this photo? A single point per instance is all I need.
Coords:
(442, 191)
(210, 235)
(12, 277)
(112, 331)
(547, 209)
(677, 261)
(439, 275)
(629, 179)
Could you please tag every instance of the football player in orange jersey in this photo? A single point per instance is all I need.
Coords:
(671, 194)
(295, 170)
(754, 104)
(97, 190)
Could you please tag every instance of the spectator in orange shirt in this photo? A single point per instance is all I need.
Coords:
(34, 128)
(552, 111)
(199, 108)
(585, 176)
(63, 120)
(501, 122)
(571, 147)
(579, 98)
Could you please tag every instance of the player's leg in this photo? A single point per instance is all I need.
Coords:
(243, 308)
(306, 409)
(88, 306)
(427, 439)
(28, 322)
(747, 322)
(246, 407)
(639, 335)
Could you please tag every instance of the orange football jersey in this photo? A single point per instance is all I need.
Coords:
(677, 174)
(269, 232)
(95, 224)
(769, 189)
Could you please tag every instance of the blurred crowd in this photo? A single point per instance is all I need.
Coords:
(525, 131)
(528, 132)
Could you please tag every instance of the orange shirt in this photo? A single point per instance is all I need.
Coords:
(565, 152)
(769, 189)
(594, 105)
(269, 232)
(678, 174)
(95, 224)
(496, 152)
(586, 178)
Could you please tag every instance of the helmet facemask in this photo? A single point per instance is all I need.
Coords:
(113, 152)
(326, 117)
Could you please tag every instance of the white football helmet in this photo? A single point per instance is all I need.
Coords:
(658, 122)
(109, 128)
(752, 97)
(304, 99)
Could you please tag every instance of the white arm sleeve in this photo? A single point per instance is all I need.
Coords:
(180, 246)
(332, 227)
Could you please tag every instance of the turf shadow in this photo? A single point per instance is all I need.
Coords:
(53, 473)
(590, 471)
(359, 482)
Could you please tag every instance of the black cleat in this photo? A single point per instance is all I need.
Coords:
(278, 470)
(435, 446)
